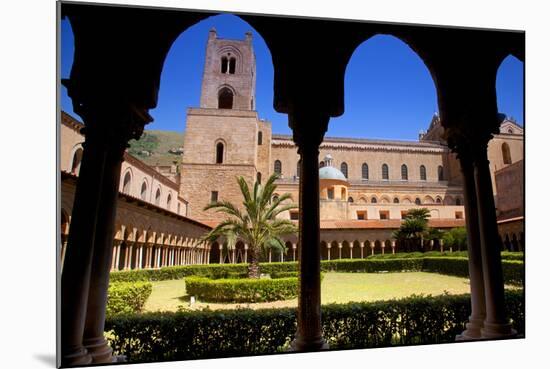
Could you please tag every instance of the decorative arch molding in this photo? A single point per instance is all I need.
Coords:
(127, 185)
(71, 164)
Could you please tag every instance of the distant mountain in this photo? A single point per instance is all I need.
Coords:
(158, 147)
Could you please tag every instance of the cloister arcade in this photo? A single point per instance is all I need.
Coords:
(114, 83)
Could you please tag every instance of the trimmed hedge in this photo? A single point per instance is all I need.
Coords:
(242, 290)
(447, 263)
(513, 271)
(372, 265)
(209, 334)
(127, 298)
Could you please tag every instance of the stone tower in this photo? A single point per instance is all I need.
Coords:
(229, 78)
(224, 137)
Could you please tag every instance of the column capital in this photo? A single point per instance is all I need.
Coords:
(308, 128)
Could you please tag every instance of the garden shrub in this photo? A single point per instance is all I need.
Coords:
(208, 334)
(372, 265)
(512, 270)
(125, 298)
(241, 290)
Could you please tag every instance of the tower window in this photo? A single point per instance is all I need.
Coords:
(440, 176)
(422, 173)
(260, 137)
(344, 169)
(506, 157)
(224, 64)
(365, 171)
(385, 172)
(404, 172)
(214, 196)
(232, 64)
(219, 153)
(225, 99)
(277, 167)
(330, 193)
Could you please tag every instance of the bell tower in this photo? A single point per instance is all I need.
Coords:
(229, 77)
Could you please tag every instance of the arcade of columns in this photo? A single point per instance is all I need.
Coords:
(129, 57)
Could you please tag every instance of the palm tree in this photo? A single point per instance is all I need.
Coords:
(257, 225)
(413, 228)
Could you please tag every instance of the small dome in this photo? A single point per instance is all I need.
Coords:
(329, 172)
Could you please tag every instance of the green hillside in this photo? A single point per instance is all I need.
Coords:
(153, 147)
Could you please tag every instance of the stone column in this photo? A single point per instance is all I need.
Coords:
(116, 249)
(308, 136)
(393, 247)
(372, 245)
(77, 268)
(362, 245)
(441, 245)
(351, 250)
(477, 291)
(208, 254)
(130, 255)
(245, 253)
(63, 250)
(329, 246)
(270, 255)
(221, 253)
(293, 252)
(339, 250)
(383, 245)
(495, 325)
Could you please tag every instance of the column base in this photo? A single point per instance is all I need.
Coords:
(99, 350)
(78, 356)
(473, 330)
(497, 330)
(300, 345)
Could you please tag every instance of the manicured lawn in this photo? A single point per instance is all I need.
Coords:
(335, 288)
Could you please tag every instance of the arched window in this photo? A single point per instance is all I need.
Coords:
(77, 158)
(277, 167)
(417, 201)
(395, 200)
(169, 201)
(143, 194)
(127, 183)
(225, 99)
(440, 176)
(219, 153)
(422, 173)
(458, 202)
(157, 197)
(224, 64)
(404, 172)
(259, 178)
(365, 171)
(232, 65)
(385, 172)
(506, 157)
(438, 200)
(330, 193)
(260, 136)
(298, 168)
(344, 169)
(321, 164)
(350, 199)
(373, 200)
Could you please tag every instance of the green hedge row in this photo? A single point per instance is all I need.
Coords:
(513, 271)
(127, 298)
(209, 334)
(452, 265)
(242, 290)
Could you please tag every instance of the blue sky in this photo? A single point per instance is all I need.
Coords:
(389, 92)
